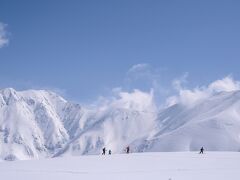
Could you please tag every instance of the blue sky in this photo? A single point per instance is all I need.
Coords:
(86, 47)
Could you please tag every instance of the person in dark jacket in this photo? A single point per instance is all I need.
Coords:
(202, 150)
(109, 152)
(128, 150)
(104, 151)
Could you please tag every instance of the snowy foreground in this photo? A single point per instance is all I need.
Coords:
(166, 166)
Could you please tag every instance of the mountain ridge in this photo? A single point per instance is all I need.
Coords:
(39, 123)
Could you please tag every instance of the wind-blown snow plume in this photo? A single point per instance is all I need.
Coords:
(135, 100)
(145, 77)
(190, 97)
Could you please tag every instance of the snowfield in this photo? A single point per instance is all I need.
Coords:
(142, 166)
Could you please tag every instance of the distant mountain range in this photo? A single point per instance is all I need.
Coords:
(37, 124)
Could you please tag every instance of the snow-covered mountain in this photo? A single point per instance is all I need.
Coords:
(213, 123)
(114, 125)
(35, 124)
(38, 123)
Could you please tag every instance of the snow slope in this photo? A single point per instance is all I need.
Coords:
(159, 166)
(214, 124)
(115, 129)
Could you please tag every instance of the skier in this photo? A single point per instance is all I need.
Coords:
(104, 151)
(201, 150)
(128, 150)
(109, 152)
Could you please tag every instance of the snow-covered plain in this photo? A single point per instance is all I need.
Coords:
(142, 166)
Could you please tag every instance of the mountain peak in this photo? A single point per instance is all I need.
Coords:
(9, 95)
(8, 90)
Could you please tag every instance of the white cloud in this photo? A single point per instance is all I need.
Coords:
(146, 89)
(135, 100)
(146, 77)
(3, 35)
(226, 84)
(140, 72)
(138, 68)
(190, 97)
(179, 82)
